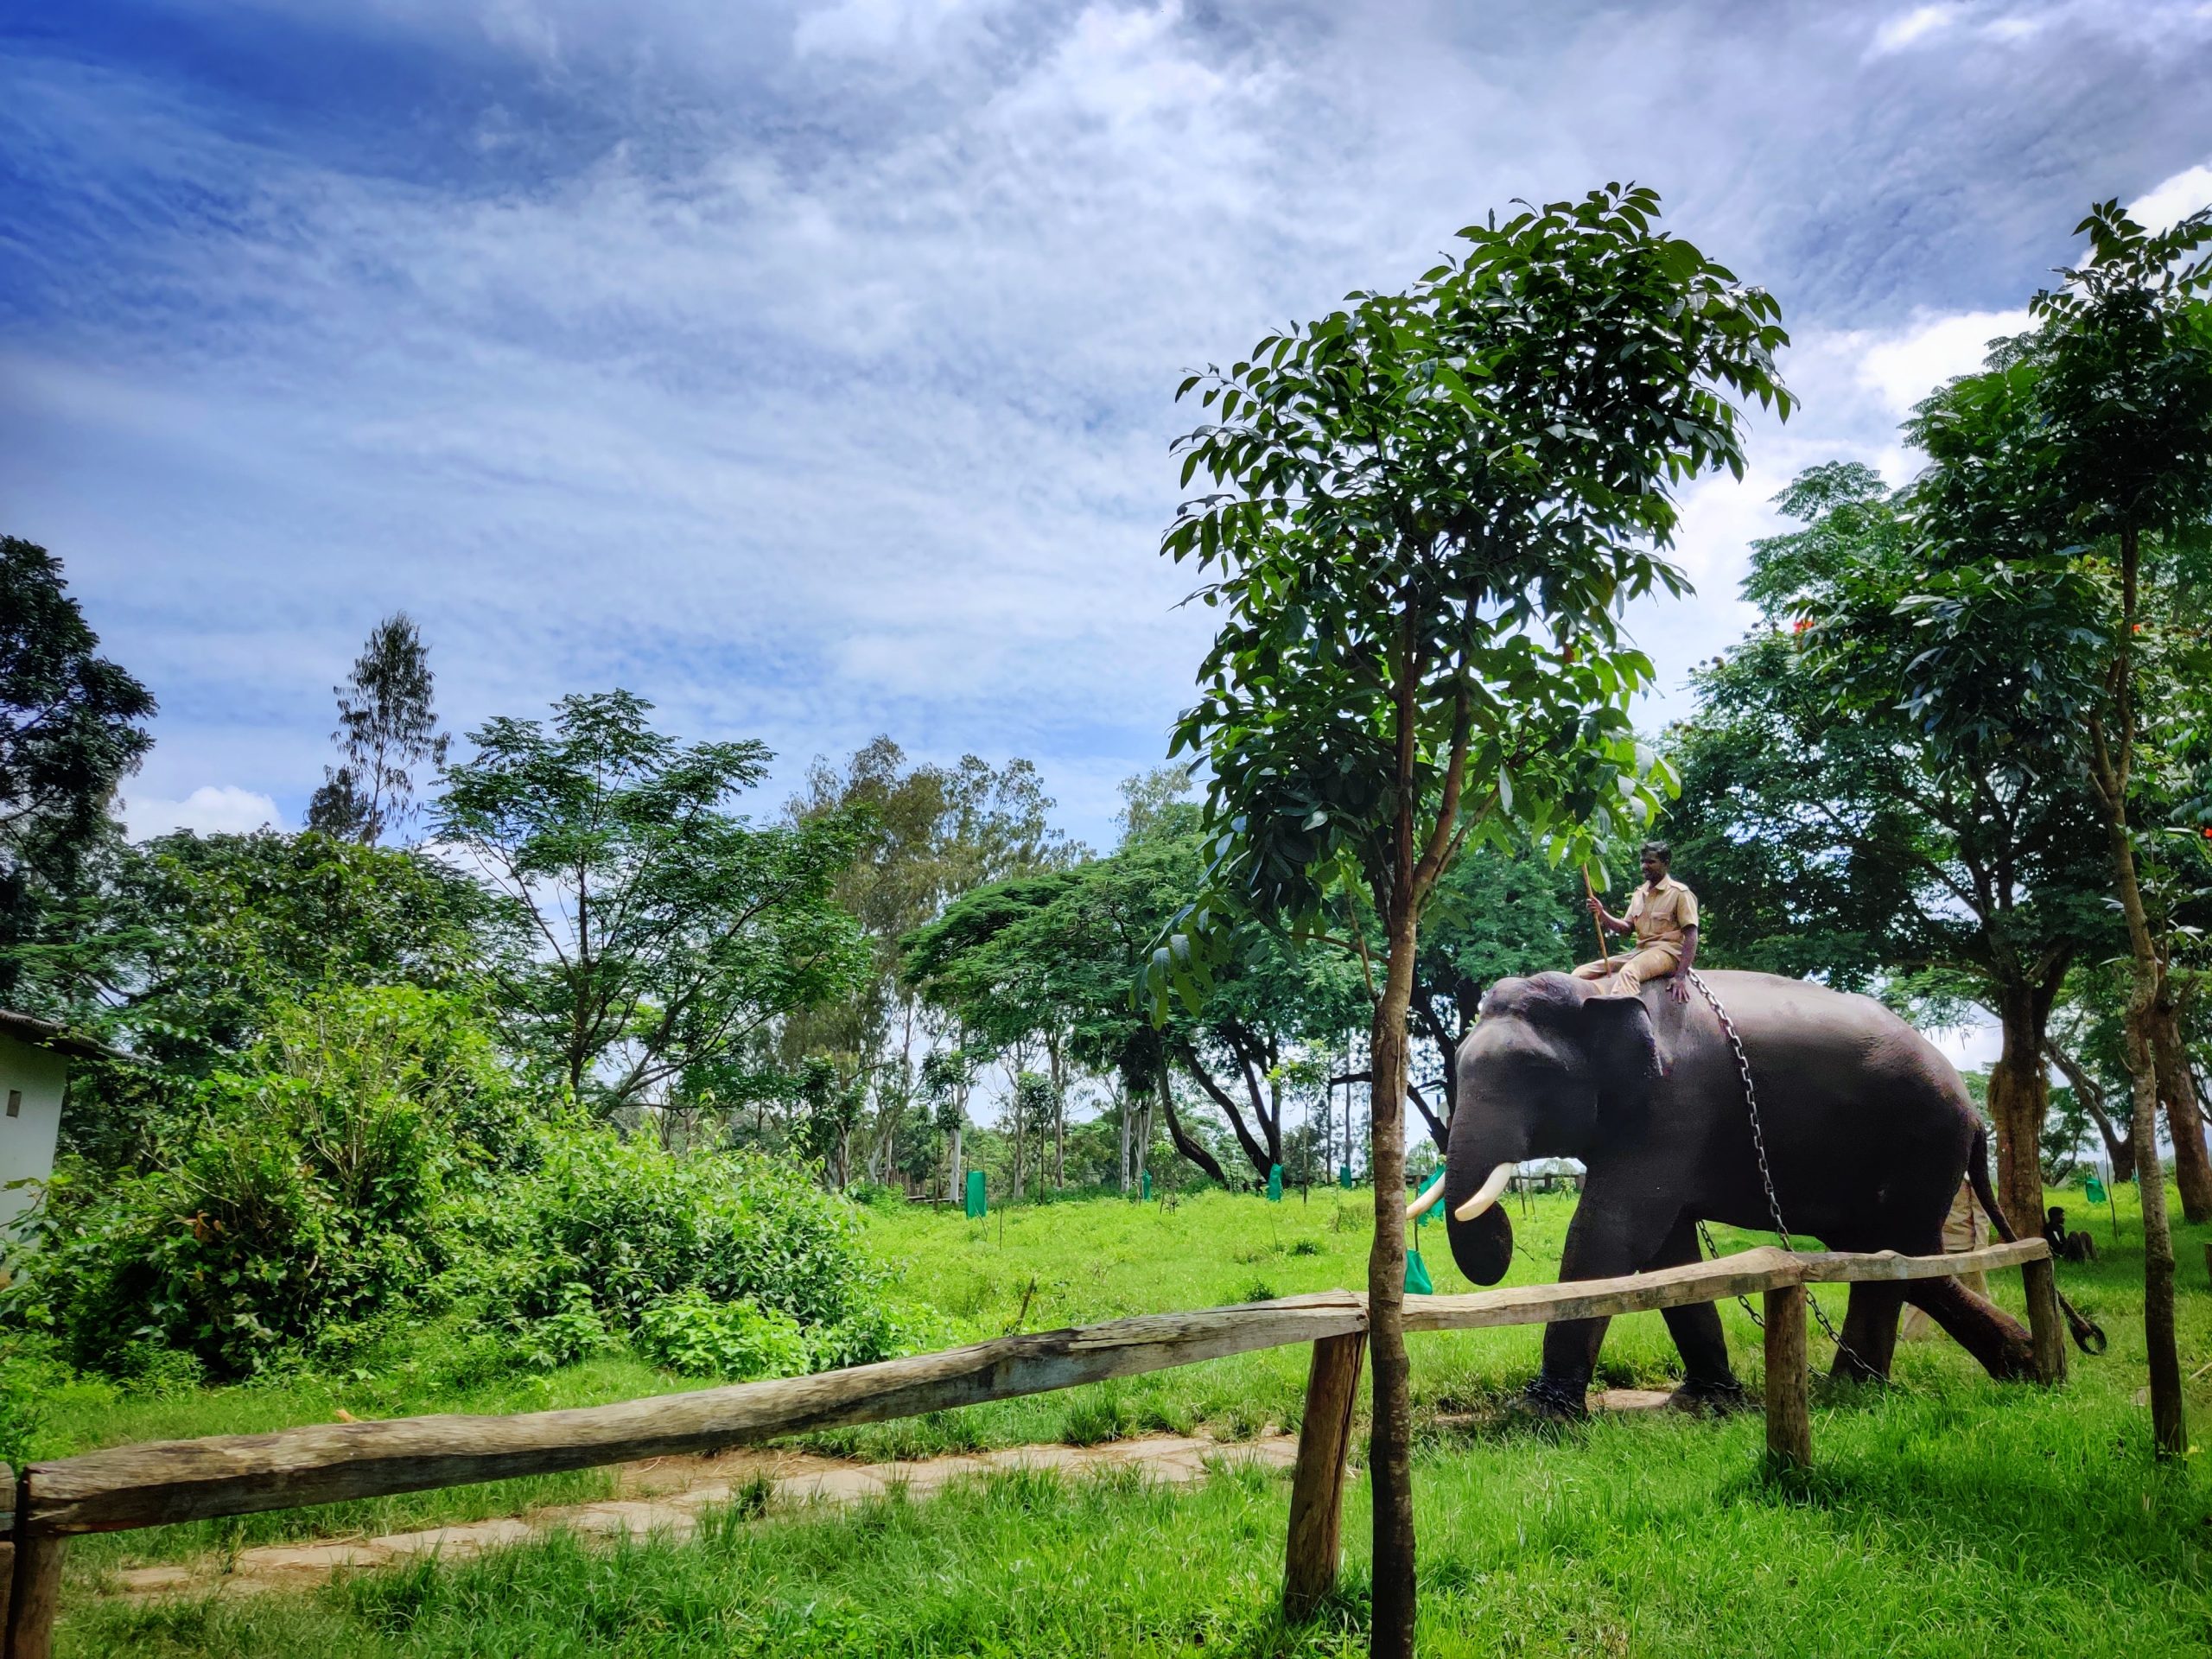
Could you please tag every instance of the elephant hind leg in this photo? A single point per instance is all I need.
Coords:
(2000, 1342)
(1869, 1332)
(1709, 1382)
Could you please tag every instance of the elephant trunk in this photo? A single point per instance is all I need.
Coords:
(1486, 1148)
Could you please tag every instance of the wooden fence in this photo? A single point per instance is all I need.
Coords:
(158, 1483)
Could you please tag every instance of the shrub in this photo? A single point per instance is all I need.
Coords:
(633, 1231)
(693, 1333)
(305, 1190)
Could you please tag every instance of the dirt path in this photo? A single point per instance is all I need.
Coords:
(665, 1497)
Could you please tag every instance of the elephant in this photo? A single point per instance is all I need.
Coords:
(1867, 1131)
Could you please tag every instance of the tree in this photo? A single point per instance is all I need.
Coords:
(665, 931)
(197, 943)
(1049, 960)
(72, 728)
(2071, 489)
(386, 728)
(1491, 914)
(934, 832)
(1839, 841)
(1410, 494)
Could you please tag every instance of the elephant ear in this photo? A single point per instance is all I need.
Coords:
(1623, 1046)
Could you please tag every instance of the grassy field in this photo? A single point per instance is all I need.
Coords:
(1947, 1514)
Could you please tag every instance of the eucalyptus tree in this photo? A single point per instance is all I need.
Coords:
(663, 931)
(2068, 499)
(1427, 510)
(1838, 839)
(936, 831)
(387, 731)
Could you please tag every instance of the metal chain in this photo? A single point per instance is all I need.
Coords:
(1766, 1175)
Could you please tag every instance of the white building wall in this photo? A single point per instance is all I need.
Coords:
(26, 1137)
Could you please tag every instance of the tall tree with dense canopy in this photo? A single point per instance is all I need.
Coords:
(665, 931)
(72, 728)
(1840, 841)
(2069, 501)
(387, 730)
(1428, 510)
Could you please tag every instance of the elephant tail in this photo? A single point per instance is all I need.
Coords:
(1977, 1173)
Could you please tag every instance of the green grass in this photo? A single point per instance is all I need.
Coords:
(1946, 1514)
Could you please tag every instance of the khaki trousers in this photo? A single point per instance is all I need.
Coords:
(1629, 975)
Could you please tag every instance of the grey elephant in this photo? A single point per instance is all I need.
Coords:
(1867, 1132)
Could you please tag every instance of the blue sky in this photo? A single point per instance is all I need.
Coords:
(806, 368)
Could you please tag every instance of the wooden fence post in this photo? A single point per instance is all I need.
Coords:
(2045, 1325)
(1788, 1385)
(1317, 1484)
(36, 1593)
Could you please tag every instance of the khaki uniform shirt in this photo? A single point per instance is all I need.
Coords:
(1659, 916)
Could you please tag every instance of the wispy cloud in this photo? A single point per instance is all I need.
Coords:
(807, 370)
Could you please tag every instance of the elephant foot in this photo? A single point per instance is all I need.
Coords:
(1554, 1402)
(1724, 1398)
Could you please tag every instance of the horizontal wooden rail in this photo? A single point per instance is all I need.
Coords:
(170, 1481)
(167, 1481)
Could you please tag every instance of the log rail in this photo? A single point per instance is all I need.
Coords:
(169, 1481)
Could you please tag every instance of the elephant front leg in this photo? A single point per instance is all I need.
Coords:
(1603, 1242)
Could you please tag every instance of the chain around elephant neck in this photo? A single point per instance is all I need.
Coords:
(1759, 1146)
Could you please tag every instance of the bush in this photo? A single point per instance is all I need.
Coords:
(693, 1333)
(372, 1166)
(307, 1191)
(643, 1238)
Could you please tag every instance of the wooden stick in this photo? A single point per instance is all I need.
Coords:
(1317, 1484)
(1588, 1299)
(1789, 1386)
(35, 1597)
(1853, 1267)
(1605, 950)
(184, 1480)
(2039, 1279)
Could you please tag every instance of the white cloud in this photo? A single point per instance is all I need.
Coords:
(1912, 27)
(2173, 199)
(1905, 366)
(882, 28)
(806, 369)
(212, 809)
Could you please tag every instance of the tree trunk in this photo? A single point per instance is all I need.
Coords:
(1255, 1154)
(952, 1192)
(2019, 1096)
(2184, 1123)
(2111, 755)
(1389, 1454)
(1183, 1144)
(1122, 1112)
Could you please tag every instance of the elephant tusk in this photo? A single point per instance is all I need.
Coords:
(1486, 1194)
(1428, 1201)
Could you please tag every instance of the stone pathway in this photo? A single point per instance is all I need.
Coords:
(664, 1497)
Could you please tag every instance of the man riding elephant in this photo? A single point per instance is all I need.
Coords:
(1864, 1132)
(1663, 915)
